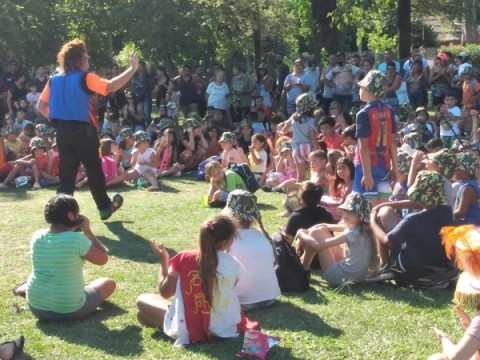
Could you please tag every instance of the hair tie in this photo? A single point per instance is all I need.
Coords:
(210, 225)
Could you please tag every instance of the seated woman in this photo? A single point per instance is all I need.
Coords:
(258, 285)
(193, 146)
(56, 290)
(467, 208)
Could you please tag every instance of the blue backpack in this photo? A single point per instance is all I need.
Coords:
(244, 171)
(201, 166)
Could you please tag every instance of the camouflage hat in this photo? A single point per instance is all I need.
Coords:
(475, 146)
(194, 115)
(446, 160)
(470, 71)
(419, 109)
(165, 123)
(235, 99)
(335, 105)
(242, 204)
(228, 137)
(245, 122)
(107, 132)
(428, 189)
(8, 115)
(126, 133)
(404, 162)
(140, 136)
(305, 102)
(6, 130)
(43, 130)
(457, 144)
(467, 162)
(285, 146)
(414, 140)
(37, 142)
(406, 113)
(191, 123)
(359, 205)
(374, 82)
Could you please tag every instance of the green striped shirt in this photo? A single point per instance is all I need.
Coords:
(56, 282)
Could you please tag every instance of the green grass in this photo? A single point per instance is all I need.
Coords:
(360, 322)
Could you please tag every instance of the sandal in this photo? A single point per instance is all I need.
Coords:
(153, 189)
(18, 344)
(15, 289)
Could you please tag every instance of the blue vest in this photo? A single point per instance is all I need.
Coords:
(473, 213)
(69, 97)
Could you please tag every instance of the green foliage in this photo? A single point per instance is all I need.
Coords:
(472, 49)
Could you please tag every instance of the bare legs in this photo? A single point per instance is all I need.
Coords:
(152, 309)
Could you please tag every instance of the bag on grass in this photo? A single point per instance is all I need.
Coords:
(291, 275)
(427, 277)
(201, 166)
(244, 171)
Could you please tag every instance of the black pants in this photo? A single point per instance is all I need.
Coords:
(77, 143)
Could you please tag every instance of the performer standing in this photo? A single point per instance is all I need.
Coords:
(65, 101)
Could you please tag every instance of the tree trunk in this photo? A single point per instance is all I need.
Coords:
(404, 25)
(470, 20)
(324, 33)
(257, 47)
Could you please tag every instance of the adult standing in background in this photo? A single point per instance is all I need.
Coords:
(327, 89)
(295, 85)
(282, 71)
(143, 84)
(188, 91)
(66, 101)
(241, 87)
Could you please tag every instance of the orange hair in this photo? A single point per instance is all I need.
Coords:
(463, 242)
(69, 57)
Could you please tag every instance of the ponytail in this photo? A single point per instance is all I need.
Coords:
(214, 234)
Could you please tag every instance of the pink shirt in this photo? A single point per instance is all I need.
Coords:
(109, 167)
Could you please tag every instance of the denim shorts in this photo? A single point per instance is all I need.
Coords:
(381, 186)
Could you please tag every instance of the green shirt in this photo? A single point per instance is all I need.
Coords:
(232, 181)
(56, 282)
(241, 85)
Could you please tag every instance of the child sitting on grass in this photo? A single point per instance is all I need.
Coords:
(144, 160)
(202, 282)
(166, 149)
(230, 153)
(39, 165)
(222, 182)
(350, 263)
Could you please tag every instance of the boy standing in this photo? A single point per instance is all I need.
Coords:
(376, 154)
(450, 113)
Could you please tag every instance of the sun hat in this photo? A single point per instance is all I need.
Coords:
(404, 161)
(43, 130)
(286, 146)
(470, 70)
(467, 162)
(414, 140)
(165, 123)
(462, 243)
(245, 122)
(305, 102)
(359, 205)
(8, 130)
(374, 82)
(442, 56)
(140, 136)
(428, 189)
(242, 204)
(335, 105)
(191, 123)
(37, 142)
(126, 133)
(8, 115)
(446, 160)
(228, 137)
(406, 113)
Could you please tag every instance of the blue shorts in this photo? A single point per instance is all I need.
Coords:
(381, 185)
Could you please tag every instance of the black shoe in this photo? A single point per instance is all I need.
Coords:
(117, 202)
(266, 188)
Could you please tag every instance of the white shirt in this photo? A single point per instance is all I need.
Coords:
(258, 281)
(455, 111)
(141, 169)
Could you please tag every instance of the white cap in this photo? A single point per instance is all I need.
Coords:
(463, 54)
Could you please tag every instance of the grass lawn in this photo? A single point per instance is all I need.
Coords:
(361, 322)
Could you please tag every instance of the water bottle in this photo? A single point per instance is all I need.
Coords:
(141, 182)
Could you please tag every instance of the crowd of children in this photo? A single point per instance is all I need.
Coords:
(366, 196)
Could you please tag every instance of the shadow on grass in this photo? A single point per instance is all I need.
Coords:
(388, 290)
(262, 206)
(21, 194)
(93, 333)
(130, 246)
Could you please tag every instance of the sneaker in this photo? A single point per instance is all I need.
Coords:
(384, 274)
(266, 188)
(117, 202)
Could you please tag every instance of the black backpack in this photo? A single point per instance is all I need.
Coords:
(244, 171)
(291, 275)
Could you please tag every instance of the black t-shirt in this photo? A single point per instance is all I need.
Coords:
(40, 84)
(306, 218)
(18, 93)
(418, 237)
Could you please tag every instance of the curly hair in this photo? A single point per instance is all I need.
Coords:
(69, 57)
(57, 209)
